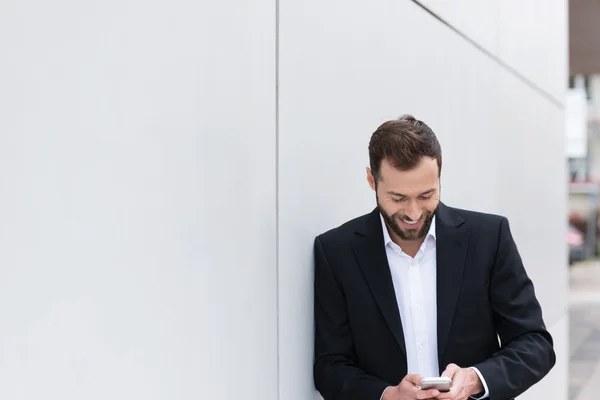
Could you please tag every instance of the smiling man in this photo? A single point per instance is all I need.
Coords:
(419, 289)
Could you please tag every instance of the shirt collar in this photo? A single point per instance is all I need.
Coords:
(386, 234)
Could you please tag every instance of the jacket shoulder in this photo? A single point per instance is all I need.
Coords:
(481, 221)
(478, 216)
(343, 232)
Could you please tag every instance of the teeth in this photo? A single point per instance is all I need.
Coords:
(411, 223)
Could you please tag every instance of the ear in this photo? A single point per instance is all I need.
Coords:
(370, 178)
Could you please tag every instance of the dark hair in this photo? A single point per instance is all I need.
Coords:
(403, 142)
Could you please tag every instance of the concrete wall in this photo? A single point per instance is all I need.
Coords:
(345, 68)
(138, 206)
(524, 35)
(165, 168)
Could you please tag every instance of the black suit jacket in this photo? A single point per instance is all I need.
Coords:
(483, 293)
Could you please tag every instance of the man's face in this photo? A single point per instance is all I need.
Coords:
(409, 199)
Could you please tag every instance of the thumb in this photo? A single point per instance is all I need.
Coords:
(415, 379)
(451, 370)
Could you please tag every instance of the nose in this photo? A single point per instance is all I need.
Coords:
(413, 212)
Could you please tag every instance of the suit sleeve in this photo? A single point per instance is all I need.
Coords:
(527, 353)
(336, 375)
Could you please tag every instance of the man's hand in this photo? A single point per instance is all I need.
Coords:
(465, 383)
(409, 389)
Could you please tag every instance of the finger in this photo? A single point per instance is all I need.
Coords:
(446, 395)
(415, 379)
(426, 394)
(451, 369)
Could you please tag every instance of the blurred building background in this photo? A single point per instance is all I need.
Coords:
(583, 122)
(582, 109)
(165, 167)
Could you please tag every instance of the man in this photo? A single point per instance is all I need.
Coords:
(416, 288)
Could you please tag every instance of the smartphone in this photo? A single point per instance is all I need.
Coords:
(442, 383)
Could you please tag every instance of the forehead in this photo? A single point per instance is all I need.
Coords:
(414, 181)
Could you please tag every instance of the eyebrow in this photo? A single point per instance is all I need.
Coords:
(402, 195)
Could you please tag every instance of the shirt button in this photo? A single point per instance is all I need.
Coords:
(417, 306)
(422, 345)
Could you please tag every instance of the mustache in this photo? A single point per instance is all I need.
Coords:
(408, 219)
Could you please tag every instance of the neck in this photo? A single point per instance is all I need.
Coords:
(410, 247)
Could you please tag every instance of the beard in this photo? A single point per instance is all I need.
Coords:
(407, 234)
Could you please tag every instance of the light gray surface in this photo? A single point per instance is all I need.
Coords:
(137, 169)
(517, 38)
(584, 353)
(589, 391)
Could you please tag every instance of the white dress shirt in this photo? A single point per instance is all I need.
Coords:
(414, 282)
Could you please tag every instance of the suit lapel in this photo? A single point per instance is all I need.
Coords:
(451, 247)
(370, 252)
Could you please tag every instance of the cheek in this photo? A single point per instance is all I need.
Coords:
(397, 211)
(431, 204)
(391, 208)
(389, 205)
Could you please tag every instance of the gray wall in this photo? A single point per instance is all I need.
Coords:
(166, 166)
(137, 216)
(344, 70)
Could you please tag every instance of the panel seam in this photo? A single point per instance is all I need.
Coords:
(277, 232)
(513, 71)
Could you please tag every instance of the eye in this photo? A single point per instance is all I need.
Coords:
(424, 197)
(397, 200)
